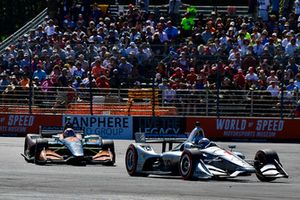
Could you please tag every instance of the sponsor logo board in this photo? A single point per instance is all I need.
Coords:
(108, 127)
(160, 126)
(247, 128)
(21, 124)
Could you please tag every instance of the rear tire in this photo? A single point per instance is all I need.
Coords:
(263, 157)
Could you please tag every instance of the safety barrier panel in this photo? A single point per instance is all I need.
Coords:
(248, 129)
(22, 124)
(125, 127)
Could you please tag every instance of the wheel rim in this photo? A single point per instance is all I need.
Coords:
(185, 165)
(130, 160)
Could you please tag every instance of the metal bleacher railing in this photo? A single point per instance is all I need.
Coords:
(32, 24)
(149, 102)
(205, 10)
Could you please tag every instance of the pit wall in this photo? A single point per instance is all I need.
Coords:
(125, 127)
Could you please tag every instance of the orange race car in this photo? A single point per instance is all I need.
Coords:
(68, 147)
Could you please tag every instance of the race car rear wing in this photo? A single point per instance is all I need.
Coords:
(164, 139)
(49, 131)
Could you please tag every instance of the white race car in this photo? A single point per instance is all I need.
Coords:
(199, 158)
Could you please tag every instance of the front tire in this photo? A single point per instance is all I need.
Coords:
(110, 146)
(188, 163)
(29, 146)
(41, 144)
(263, 157)
(131, 159)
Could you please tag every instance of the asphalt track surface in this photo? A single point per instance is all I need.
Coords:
(21, 180)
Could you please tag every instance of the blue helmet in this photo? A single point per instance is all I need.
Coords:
(69, 132)
(203, 143)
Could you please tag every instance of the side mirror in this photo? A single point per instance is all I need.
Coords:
(140, 137)
(231, 147)
(182, 147)
(186, 146)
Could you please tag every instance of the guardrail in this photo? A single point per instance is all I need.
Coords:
(252, 103)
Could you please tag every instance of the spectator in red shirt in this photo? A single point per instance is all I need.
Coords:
(54, 76)
(191, 76)
(102, 82)
(98, 69)
(178, 74)
(239, 80)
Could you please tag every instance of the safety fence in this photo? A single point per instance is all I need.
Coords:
(149, 102)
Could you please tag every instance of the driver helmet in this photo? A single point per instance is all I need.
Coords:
(203, 143)
(69, 132)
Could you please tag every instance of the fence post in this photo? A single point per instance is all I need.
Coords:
(282, 91)
(206, 100)
(251, 106)
(30, 79)
(153, 98)
(218, 89)
(90, 82)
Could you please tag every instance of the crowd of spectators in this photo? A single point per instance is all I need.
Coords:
(100, 50)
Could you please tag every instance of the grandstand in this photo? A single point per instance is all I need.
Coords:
(100, 61)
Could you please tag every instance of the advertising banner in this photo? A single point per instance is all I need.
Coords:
(22, 124)
(160, 126)
(108, 127)
(256, 129)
